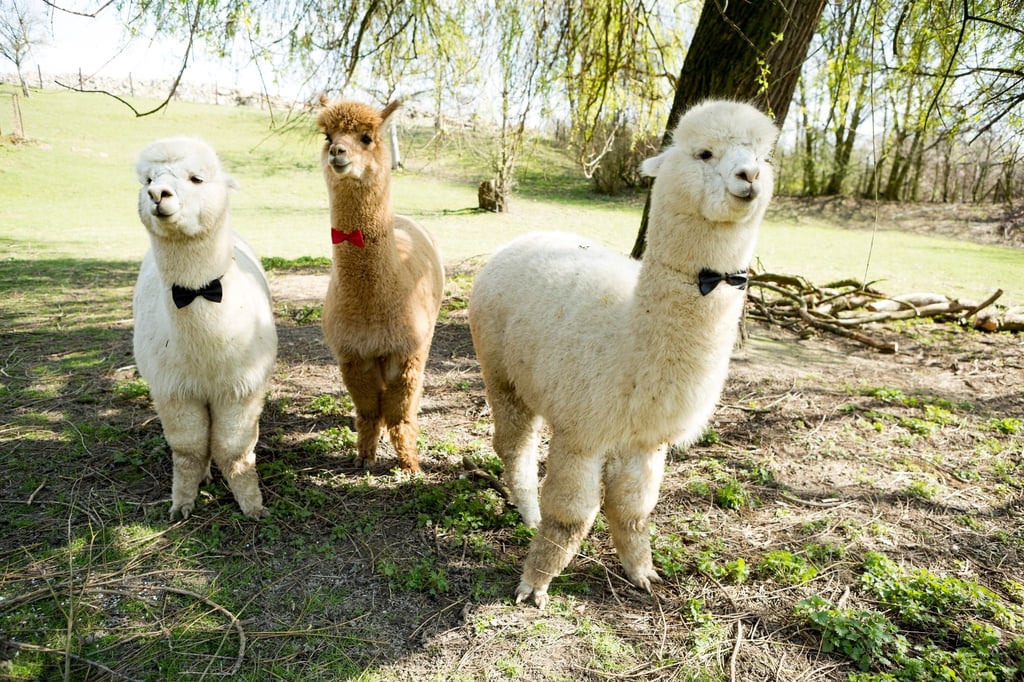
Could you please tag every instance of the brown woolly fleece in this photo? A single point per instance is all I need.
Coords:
(385, 289)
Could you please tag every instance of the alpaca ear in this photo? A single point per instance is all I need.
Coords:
(651, 166)
(324, 102)
(389, 109)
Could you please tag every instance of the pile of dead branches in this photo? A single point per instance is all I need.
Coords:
(846, 307)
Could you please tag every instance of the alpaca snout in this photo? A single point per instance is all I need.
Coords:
(745, 183)
(747, 191)
(164, 200)
(338, 158)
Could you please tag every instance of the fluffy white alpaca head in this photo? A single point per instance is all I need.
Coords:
(719, 163)
(353, 146)
(184, 191)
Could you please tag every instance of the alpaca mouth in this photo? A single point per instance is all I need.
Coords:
(340, 166)
(747, 193)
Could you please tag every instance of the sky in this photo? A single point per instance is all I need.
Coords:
(98, 47)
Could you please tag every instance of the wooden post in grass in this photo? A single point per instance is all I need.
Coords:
(19, 124)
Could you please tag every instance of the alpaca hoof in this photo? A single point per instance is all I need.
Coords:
(644, 579)
(526, 591)
(257, 512)
(409, 467)
(183, 509)
(365, 462)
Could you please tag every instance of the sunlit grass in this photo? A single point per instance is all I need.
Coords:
(281, 206)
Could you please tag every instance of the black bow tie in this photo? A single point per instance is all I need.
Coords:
(708, 279)
(212, 291)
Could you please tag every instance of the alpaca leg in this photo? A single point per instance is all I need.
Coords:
(569, 501)
(186, 426)
(234, 430)
(516, 436)
(364, 383)
(631, 492)
(401, 404)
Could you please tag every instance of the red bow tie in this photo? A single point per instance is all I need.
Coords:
(355, 236)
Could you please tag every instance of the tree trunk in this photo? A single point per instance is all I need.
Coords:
(810, 148)
(845, 136)
(746, 50)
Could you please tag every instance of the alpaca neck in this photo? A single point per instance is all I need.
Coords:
(723, 247)
(371, 214)
(668, 303)
(193, 262)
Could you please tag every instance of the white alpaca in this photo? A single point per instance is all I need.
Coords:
(204, 338)
(621, 358)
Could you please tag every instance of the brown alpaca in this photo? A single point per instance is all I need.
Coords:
(386, 282)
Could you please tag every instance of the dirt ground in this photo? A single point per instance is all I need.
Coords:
(829, 449)
(824, 459)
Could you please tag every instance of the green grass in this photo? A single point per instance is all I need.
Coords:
(281, 207)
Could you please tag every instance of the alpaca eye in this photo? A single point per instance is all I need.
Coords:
(195, 179)
(705, 155)
(366, 139)
(327, 138)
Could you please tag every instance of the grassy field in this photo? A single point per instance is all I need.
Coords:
(281, 207)
(848, 516)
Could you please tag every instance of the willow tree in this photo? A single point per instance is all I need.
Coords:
(615, 76)
(519, 43)
(751, 51)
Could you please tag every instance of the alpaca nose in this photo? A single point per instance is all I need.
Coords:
(338, 150)
(159, 193)
(748, 173)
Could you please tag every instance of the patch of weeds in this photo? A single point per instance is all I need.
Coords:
(710, 437)
(306, 314)
(1006, 425)
(709, 637)
(329, 441)
(421, 576)
(917, 426)
(867, 638)
(732, 495)
(129, 389)
(922, 490)
(824, 554)
(923, 599)
(101, 433)
(762, 475)
(734, 571)
(1015, 589)
(938, 414)
(670, 555)
(448, 446)
(887, 394)
(785, 567)
(459, 506)
(330, 405)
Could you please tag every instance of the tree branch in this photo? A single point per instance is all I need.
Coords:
(174, 85)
